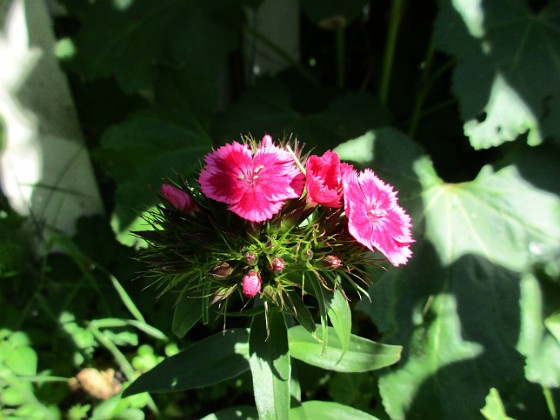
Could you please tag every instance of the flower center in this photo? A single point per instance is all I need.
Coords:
(250, 176)
(375, 214)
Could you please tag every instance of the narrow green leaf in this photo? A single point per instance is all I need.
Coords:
(341, 318)
(270, 365)
(327, 410)
(301, 312)
(118, 322)
(187, 313)
(319, 293)
(210, 361)
(362, 354)
(125, 298)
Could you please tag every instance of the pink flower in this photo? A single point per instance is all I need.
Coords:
(179, 199)
(251, 283)
(254, 185)
(323, 180)
(374, 217)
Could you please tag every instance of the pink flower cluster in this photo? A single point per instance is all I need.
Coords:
(256, 182)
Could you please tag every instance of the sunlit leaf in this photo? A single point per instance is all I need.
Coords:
(541, 348)
(362, 354)
(507, 77)
(270, 365)
(455, 306)
(327, 410)
(341, 318)
(494, 409)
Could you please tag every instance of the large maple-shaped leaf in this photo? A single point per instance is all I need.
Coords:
(129, 40)
(507, 77)
(140, 154)
(456, 307)
(268, 108)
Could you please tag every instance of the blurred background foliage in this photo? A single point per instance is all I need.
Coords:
(457, 104)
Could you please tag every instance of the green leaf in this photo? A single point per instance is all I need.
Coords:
(507, 76)
(268, 108)
(492, 216)
(341, 318)
(131, 42)
(22, 360)
(494, 408)
(536, 342)
(187, 313)
(239, 412)
(455, 306)
(300, 310)
(327, 410)
(552, 324)
(139, 155)
(270, 365)
(207, 362)
(362, 354)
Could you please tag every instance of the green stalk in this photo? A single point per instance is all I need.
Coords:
(340, 56)
(550, 403)
(394, 24)
(422, 92)
(283, 54)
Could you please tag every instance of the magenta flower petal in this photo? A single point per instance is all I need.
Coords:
(254, 185)
(323, 180)
(251, 283)
(374, 217)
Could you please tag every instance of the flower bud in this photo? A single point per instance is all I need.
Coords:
(251, 283)
(222, 271)
(251, 258)
(307, 255)
(179, 199)
(276, 265)
(332, 261)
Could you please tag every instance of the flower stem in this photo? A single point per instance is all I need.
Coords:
(396, 14)
(340, 56)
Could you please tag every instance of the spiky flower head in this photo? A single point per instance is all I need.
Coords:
(250, 229)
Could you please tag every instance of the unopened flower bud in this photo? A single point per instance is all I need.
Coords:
(332, 261)
(179, 199)
(222, 271)
(307, 255)
(251, 258)
(251, 283)
(276, 265)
